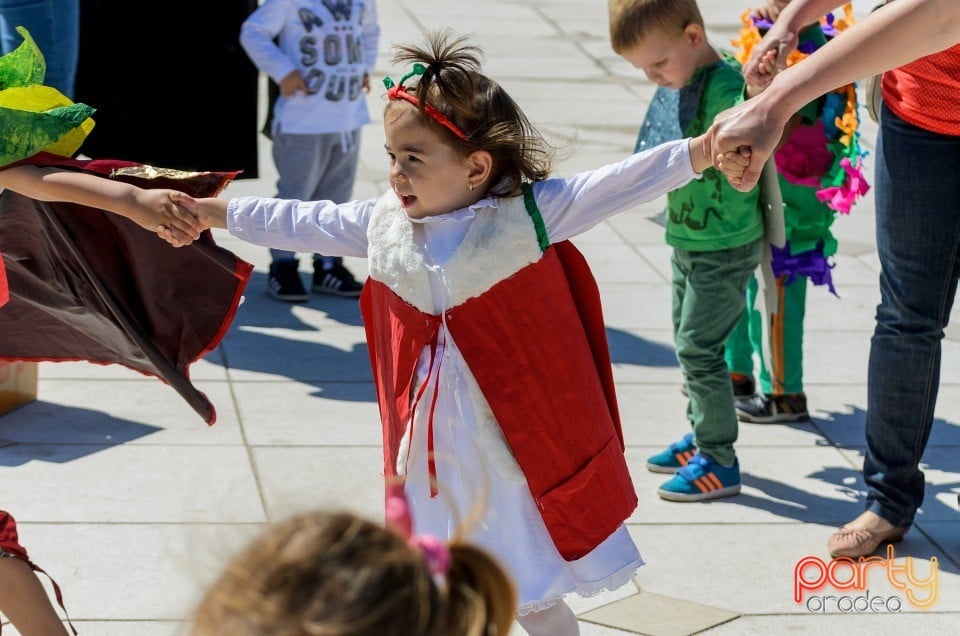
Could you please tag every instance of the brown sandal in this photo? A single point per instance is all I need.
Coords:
(859, 542)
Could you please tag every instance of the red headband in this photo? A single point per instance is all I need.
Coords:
(400, 92)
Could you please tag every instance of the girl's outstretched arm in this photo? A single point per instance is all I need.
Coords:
(149, 209)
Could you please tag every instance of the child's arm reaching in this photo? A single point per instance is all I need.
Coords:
(574, 205)
(149, 209)
(206, 213)
(699, 159)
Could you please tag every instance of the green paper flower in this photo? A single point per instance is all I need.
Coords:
(24, 65)
(34, 117)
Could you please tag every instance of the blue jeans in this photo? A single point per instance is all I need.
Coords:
(55, 26)
(918, 241)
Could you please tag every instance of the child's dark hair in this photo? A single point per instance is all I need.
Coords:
(631, 20)
(322, 573)
(489, 118)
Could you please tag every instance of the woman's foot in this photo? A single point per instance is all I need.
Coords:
(863, 535)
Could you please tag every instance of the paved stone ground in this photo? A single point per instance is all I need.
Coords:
(132, 503)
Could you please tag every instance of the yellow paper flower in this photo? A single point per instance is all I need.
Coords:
(34, 117)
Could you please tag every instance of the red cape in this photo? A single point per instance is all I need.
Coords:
(536, 345)
(85, 284)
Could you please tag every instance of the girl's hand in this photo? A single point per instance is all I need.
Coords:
(201, 214)
(166, 212)
(733, 164)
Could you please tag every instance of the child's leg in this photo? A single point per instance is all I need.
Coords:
(739, 347)
(715, 297)
(24, 601)
(557, 620)
(785, 333)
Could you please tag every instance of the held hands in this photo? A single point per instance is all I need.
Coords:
(195, 213)
(771, 10)
(748, 133)
(156, 209)
(770, 54)
(733, 164)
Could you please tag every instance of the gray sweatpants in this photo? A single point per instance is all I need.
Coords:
(313, 168)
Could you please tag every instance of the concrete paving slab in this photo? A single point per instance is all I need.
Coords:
(750, 569)
(129, 483)
(150, 412)
(657, 615)
(834, 625)
(297, 479)
(339, 414)
(779, 486)
(636, 305)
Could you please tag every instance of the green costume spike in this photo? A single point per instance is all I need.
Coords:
(34, 117)
(23, 66)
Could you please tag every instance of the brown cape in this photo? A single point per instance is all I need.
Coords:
(85, 284)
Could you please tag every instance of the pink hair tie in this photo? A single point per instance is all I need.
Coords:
(435, 551)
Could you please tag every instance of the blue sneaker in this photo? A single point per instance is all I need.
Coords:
(702, 479)
(675, 456)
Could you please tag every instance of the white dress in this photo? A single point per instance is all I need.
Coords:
(482, 493)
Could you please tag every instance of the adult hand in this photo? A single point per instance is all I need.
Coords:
(749, 129)
(771, 10)
(778, 43)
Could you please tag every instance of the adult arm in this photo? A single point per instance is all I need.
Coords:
(894, 35)
(783, 36)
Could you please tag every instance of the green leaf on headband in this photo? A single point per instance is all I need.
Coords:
(59, 130)
(23, 66)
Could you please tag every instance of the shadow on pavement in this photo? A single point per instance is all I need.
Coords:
(41, 431)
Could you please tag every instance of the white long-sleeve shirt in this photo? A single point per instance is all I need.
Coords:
(332, 43)
(568, 206)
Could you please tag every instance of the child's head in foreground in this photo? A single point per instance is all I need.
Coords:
(326, 573)
(454, 135)
(666, 39)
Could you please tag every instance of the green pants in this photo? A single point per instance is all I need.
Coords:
(709, 295)
(784, 332)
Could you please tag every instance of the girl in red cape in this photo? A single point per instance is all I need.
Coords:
(484, 325)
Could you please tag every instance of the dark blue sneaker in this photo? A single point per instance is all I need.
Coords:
(283, 282)
(674, 456)
(336, 281)
(702, 479)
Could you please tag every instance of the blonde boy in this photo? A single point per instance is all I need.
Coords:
(716, 234)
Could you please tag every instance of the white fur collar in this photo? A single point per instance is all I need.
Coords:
(501, 240)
